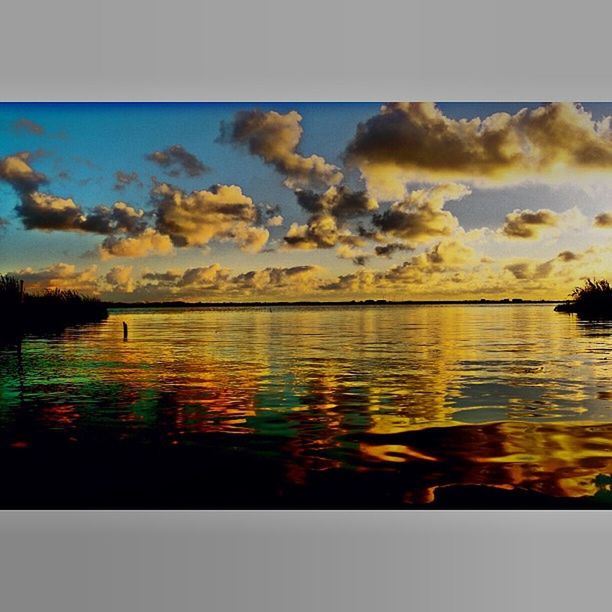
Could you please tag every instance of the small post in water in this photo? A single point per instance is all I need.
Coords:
(125, 331)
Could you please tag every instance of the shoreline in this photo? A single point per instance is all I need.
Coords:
(354, 303)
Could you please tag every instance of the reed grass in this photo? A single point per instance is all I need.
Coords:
(594, 299)
(51, 310)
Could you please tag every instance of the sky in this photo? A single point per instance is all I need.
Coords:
(318, 201)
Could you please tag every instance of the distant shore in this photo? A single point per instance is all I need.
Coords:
(181, 304)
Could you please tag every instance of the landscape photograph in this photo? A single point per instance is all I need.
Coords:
(300, 305)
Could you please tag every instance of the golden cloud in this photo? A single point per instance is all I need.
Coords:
(48, 212)
(348, 251)
(528, 223)
(60, 276)
(330, 210)
(420, 216)
(340, 202)
(149, 242)
(120, 279)
(603, 220)
(275, 221)
(529, 270)
(321, 232)
(118, 218)
(415, 141)
(214, 276)
(218, 282)
(387, 250)
(274, 138)
(221, 213)
(17, 172)
(450, 269)
(276, 278)
(45, 211)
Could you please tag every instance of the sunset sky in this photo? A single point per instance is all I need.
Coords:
(321, 201)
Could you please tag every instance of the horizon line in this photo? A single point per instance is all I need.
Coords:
(366, 302)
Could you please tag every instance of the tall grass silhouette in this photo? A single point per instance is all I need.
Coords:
(51, 310)
(593, 299)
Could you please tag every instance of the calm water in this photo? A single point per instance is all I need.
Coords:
(367, 406)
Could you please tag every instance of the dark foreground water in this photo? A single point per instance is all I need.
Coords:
(438, 406)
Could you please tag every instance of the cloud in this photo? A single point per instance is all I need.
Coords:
(330, 210)
(221, 213)
(534, 270)
(27, 125)
(149, 242)
(214, 276)
(118, 218)
(124, 179)
(449, 269)
(17, 172)
(569, 256)
(444, 256)
(387, 250)
(59, 276)
(447, 255)
(44, 211)
(269, 215)
(603, 220)
(274, 138)
(120, 279)
(276, 278)
(416, 142)
(528, 270)
(528, 223)
(420, 216)
(341, 202)
(321, 232)
(162, 277)
(176, 160)
(275, 221)
(218, 281)
(48, 212)
(362, 281)
(357, 256)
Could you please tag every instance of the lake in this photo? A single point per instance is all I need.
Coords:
(419, 406)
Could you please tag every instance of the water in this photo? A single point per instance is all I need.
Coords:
(382, 406)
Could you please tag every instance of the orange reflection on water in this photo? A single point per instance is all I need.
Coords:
(555, 459)
(506, 396)
(63, 416)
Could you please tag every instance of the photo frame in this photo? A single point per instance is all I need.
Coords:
(538, 533)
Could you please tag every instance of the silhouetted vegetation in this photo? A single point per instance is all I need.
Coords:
(593, 300)
(52, 310)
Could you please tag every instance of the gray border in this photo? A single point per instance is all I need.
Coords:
(232, 50)
(304, 561)
(315, 50)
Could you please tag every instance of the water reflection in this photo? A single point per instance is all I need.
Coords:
(422, 398)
